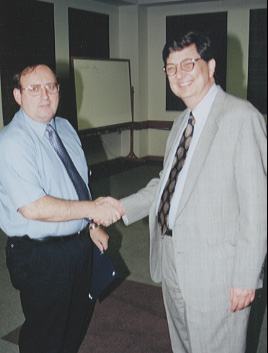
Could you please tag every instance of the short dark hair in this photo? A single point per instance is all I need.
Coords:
(27, 70)
(201, 40)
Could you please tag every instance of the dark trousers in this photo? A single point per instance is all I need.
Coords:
(53, 279)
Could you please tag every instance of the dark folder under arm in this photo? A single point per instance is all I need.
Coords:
(103, 273)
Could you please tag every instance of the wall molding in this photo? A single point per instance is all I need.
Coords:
(139, 125)
(153, 124)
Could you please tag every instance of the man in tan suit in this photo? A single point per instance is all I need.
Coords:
(208, 209)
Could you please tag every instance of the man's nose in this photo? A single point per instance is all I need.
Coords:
(179, 71)
(44, 92)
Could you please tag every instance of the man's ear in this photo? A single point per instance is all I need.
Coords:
(17, 95)
(212, 67)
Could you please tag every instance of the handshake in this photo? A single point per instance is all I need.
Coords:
(107, 211)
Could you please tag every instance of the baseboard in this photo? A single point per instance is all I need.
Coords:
(119, 165)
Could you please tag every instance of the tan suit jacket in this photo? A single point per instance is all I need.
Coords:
(220, 229)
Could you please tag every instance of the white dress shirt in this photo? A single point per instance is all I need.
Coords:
(200, 113)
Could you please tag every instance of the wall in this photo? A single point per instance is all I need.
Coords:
(128, 39)
(110, 146)
(138, 33)
(237, 56)
(145, 28)
(61, 27)
(112, 142)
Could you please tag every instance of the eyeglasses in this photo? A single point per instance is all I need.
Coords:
(186, 65)
(35, 90)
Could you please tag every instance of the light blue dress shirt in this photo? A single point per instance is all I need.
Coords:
(31, 169)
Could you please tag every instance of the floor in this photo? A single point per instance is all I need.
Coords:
(129, 250)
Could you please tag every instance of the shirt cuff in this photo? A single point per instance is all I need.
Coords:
(125, 220)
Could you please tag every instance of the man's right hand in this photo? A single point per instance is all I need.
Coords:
(50, 209)
(113, 202)
(105, 214)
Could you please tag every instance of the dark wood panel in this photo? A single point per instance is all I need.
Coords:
(88, 34)
(257, 70)
(26, 38)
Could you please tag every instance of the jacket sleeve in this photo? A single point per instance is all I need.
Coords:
(137, 206)
(250, 166)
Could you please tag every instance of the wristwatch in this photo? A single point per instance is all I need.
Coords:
(93, 226)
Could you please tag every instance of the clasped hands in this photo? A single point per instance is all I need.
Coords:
(108, 211)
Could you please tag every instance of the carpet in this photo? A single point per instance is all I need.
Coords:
(129, 320)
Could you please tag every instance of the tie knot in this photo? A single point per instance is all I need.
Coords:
(50, 129)
(191, 119)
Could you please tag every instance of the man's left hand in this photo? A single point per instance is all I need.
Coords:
(241, 298)
(100, 238)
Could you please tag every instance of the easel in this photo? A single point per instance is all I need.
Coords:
(131, 154)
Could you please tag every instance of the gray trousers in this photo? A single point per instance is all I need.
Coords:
(193, 331)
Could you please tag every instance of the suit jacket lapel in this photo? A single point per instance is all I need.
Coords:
(202, 149)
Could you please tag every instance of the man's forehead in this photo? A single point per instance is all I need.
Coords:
(186, 52)
(38, 73)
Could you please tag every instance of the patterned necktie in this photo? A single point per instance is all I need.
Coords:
(78, 182)
(177, 165)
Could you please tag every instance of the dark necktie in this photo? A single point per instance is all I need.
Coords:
(177, 165)
(103, 270)
(78, 182)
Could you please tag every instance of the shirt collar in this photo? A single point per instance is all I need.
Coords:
(202, 110)
(39, 128)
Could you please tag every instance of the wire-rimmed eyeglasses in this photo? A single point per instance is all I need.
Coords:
(186, 65)
(35, 90)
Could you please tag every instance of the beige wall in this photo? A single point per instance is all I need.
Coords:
(112, 145)
(237, 56)
(145, 31)
(138, 33)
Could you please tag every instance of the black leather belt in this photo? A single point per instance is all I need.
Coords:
(169, 232)
(49, 239)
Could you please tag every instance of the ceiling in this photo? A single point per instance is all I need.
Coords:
(149, 2)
